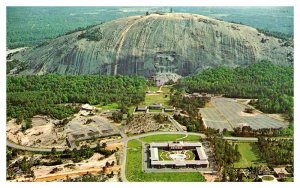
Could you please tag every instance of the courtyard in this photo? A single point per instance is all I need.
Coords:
(176, 154)
(135, 162)
(165, 155)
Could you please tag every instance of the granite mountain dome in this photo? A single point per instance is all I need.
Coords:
(156, 43)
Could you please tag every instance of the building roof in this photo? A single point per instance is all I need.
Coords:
(141, 108)
(155, 158)
(155, 105)
(87, 107)
(158, 144)
(280, 170)
(169, 108)
(201, 153)
(179, 163)
(175, 143)
(154, 154)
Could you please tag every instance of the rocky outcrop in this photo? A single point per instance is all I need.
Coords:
(157, 43)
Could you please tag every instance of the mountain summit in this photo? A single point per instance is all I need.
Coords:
(156, 43)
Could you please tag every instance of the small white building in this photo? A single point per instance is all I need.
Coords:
(87, 107)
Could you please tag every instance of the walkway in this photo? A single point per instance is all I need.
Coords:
(125, 141)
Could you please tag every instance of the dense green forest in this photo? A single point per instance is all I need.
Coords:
(271, 84)
(48, 94)
(225, 153)
(191, 124)
(268, 132)
(276, 151)
(275, 34)
(30, 26)
(189, 104)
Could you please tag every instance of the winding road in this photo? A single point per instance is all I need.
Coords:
(125, 140)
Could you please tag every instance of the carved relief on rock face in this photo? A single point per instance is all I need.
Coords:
(169, 43)
(166, 62)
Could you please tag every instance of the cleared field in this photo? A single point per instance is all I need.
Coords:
(227, 113)
(110, 106)
(156, 98)
(170, 137)
(134, 171)
(155, 110)
(249, 156)
(152, 88)
(153, 98)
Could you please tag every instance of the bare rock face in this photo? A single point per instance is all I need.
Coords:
(157, 43)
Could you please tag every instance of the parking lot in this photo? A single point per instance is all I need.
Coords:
(82, 128)
(228, 113)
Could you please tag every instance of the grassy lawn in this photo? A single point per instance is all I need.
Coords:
(164, 155)
(155, 110)
(157, 98)
(152, 88)
(113, 106)
(131, 109)
(169, 113)
(166, 88)
(190, 154)
(134, 169)
(249, 156)
(110, 106)
(267, 178)
(289, 179)
(170, 137)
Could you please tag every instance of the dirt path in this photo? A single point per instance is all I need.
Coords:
(114, 146)
(210, 178)
(64, 175)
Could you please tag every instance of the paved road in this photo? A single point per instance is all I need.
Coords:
(175, 123)
(123, 167)
(251, 139)
(125, 141)
(29, 148)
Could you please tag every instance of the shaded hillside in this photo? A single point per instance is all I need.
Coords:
(145, 45)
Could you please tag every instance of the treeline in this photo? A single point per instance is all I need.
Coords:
(191, 124)
(268, 132)
(80, 29)
(189, 104)
(57, 95)
(31, 26)
(276, 151)
(225, 153)
(24, 165)
(99, 177)
(271, 84)
(94, 34)
(275, 34)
